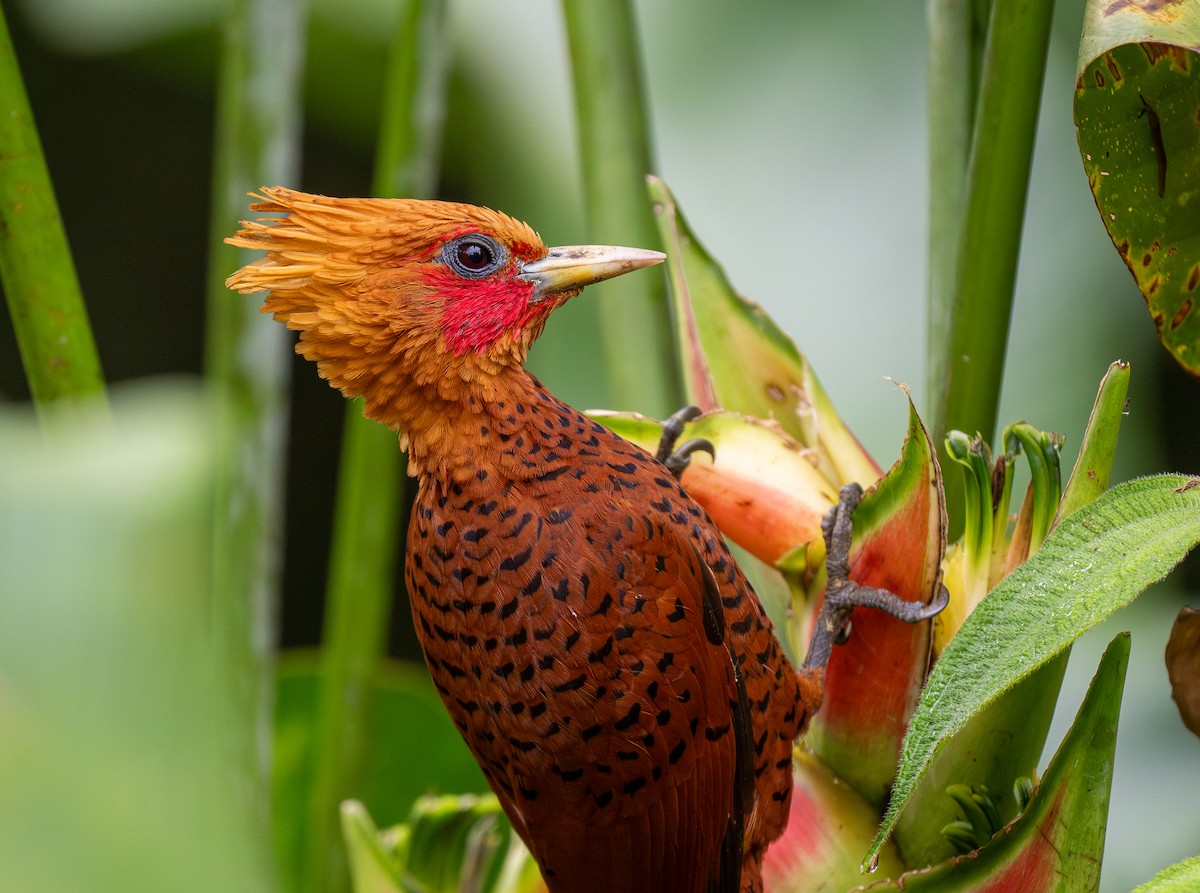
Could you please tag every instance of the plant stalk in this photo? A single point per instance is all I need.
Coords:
(49, 317)
(371, 483)
(614, 142)
(954, 50)
(247, 362)
(1005, 125)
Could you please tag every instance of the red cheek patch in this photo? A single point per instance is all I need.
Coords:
(475, 312)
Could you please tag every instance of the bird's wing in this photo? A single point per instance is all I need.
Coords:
(571, 645)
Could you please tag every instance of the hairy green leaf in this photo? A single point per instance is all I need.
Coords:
(1182, 877)
(1096, 561)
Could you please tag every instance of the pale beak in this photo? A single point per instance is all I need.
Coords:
(573, 267)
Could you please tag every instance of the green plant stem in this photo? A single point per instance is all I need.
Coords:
(615, 150)
(997, 184)
(954, 50)
(247, 361)
(367, 520)
(44, 298)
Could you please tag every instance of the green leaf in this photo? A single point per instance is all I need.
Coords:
(1093, 563)
(1136, 97)
(410, 748)
(999, 744)
(368, 526)
(449, 844)
(735, 357)
(371, 867)
(455, 843)
(48, 313)
(1093, 468)
(247, 367)
(1004, 740)
(873, 680)
(969, 568)
(1057, 843)
(1182, 877)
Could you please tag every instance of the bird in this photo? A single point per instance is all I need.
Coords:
(581, 617)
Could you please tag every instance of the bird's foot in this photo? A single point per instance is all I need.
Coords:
(677, 458)
(843, 595)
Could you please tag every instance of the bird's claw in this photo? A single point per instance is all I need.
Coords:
(843, 595)
(676, 459)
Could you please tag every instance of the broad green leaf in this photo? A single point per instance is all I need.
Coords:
(1096, 561)
(1182, 877)
(1135, 109)
(873, 680)
(735, 357)
(1057, 843)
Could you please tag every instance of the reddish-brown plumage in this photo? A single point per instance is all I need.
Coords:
(558, 574)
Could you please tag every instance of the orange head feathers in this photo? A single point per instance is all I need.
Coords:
(412, 303)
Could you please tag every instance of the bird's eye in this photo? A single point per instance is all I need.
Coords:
(474, 256)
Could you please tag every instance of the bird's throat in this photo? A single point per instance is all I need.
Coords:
(453, 429)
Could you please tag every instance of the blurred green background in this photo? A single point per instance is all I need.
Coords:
(793, 134)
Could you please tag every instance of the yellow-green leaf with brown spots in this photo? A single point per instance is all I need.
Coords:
(1137, 112)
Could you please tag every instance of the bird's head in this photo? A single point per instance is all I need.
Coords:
(406, 292)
